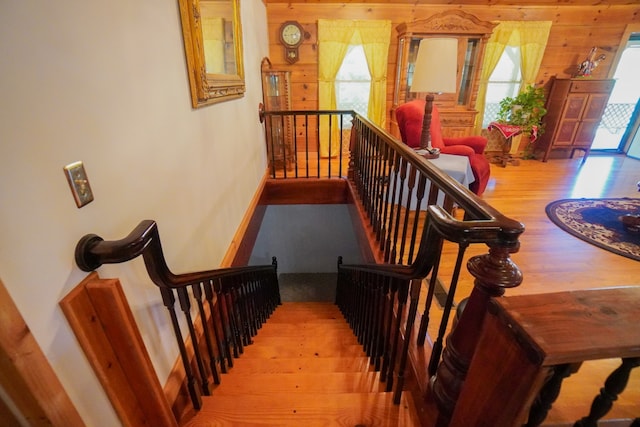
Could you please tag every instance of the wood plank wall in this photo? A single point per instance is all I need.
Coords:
(575, 30)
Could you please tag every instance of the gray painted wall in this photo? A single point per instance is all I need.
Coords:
(306, 238)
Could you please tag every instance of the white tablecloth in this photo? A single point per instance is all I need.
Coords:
(457, 167)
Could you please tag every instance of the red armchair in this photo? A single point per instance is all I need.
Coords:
(409, 117)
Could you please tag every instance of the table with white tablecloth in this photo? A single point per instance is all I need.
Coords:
(457, 167)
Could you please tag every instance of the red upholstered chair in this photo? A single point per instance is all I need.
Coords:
(409, 117)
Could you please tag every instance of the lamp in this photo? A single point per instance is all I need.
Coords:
(435, 72)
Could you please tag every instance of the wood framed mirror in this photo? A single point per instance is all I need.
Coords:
(212, 36)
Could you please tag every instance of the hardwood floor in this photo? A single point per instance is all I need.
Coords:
(553, 260)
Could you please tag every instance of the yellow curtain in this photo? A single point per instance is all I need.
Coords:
(530, 36)
(375, 36)
(533, 41)
(334, 38)
(492, 53)
(213, 40)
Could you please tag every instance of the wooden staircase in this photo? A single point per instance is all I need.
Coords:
(304, 368)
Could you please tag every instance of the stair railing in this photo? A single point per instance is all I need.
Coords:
(232, 303)
(412, 209)
(293, 142)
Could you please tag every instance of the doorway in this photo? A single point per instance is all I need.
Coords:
(611, 134)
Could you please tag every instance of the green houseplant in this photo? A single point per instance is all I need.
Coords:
(525, 110)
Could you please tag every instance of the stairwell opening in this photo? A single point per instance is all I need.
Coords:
(307, 240)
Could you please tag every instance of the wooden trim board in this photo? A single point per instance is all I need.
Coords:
(26, 375)
(99, 315)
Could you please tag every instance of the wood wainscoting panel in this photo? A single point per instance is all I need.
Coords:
(99, 315)
(27, 377)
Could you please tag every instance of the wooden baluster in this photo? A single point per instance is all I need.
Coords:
(379, 323)
(437, 346)
(185, 306)
(613, 386)
(197, 294)
(381, 235)
(390, 298)
(224, 320)
(378, 190)
(405, 227)
(244, 308)
(549, 393)
(392, 206)
(416, 284)
(169, 302)
(368, 314)
(403, 293)
(422, 183)
(370, 171)
(398, 203)
(493, 272)
(275, 285)
(215, 323)
(236, 319)
(253, 290)
(433, 282)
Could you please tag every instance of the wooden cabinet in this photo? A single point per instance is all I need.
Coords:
(574, 110)
(457, 111)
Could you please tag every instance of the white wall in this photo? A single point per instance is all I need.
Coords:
(106, 83)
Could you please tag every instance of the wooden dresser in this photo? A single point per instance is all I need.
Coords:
(574, 110)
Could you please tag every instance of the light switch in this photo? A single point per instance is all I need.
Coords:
(79, 183)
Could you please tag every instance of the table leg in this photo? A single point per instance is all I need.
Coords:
(505, 158)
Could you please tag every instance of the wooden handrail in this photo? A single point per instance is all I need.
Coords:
(92, 251)
(232, 303)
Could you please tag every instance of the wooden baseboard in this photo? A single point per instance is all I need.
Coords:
(243, 240)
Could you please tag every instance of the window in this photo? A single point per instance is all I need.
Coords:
(504, 82)
(353, 81)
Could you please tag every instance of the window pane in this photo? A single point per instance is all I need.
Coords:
(353, 82)
(504, 82)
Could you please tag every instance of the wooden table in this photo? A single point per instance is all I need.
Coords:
(508, 132)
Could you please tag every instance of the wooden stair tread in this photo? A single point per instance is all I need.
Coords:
(280, 347)
(298, 312)
(305, 329)
(296, 364)
(304, 367)
(297, 382)
(308, 409)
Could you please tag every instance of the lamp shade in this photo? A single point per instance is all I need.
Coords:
(436, 66)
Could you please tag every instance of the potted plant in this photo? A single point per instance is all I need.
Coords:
(526, 111)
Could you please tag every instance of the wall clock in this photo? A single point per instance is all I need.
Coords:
(291, 34)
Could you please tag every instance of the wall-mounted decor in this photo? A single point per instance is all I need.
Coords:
(212, 36)
(291, 36)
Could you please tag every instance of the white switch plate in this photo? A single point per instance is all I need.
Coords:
(79, 183)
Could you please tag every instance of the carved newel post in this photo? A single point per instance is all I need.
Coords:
(494, 272)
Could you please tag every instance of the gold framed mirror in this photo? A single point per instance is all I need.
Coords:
(212, 36)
